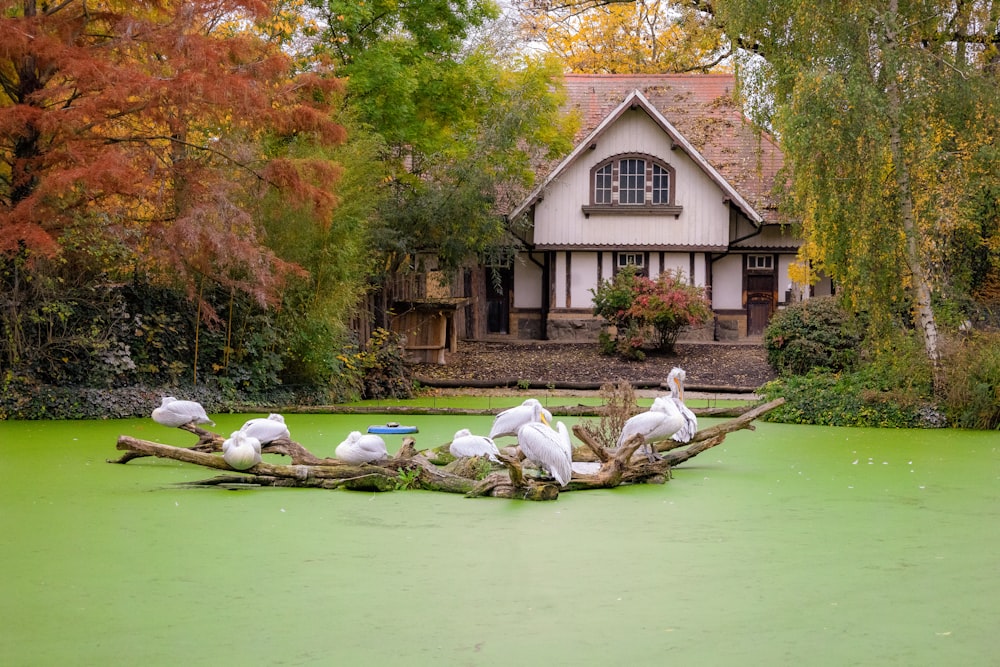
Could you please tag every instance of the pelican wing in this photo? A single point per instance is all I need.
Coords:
(543, 446)
(690, 425)
(266, 430)
(510, 420)
(373, 446)
(176, 413)
(564, 440)
(653, 425)
(473, 445)
(348, 450)
(243, 451)
(358, 449)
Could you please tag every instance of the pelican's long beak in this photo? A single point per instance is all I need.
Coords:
(680, 388)
(544, 420)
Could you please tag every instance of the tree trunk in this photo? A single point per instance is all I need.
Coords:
(559, 410)
(921, 284)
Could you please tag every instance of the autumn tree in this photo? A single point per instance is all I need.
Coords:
(145, 115)
(888, 116)
(643, 36)
(132, 142)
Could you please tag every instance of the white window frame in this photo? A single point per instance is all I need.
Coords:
(661, 185)
(603, 184)
(632, 181)
(636, 259)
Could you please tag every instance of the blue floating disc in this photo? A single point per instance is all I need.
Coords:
(391, 428)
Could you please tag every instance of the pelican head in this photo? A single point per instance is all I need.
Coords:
(510, 420)
(675, 380)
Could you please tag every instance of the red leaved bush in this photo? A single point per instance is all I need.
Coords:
(632, 302)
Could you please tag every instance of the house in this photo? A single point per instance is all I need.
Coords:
(666, 173)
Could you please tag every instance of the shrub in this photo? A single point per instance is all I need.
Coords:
(379, 370)
(669, 304)
(891, 387)
(619, 405)
(607, 344)
(847, 399)
(613, 298)
(815, 333)
(633, 304)
(971, 378)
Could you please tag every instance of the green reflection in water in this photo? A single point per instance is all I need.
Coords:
(788, 545)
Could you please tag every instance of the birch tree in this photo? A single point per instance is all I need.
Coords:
(887, 114)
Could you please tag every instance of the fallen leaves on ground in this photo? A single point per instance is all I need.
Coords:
(706, 364)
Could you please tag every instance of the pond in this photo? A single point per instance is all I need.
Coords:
(787, 545)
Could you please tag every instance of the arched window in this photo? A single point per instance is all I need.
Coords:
(633, 183)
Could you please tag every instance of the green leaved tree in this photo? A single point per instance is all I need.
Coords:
(459, 123)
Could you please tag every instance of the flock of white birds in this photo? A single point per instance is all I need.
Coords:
(547, 448)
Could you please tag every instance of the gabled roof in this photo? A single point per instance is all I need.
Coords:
(699, 113)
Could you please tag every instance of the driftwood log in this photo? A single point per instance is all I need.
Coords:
(433, 469)
(557, 410)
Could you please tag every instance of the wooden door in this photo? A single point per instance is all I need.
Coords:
(760, 302)
(499, 285)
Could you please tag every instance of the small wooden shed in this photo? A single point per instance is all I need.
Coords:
(427, 327)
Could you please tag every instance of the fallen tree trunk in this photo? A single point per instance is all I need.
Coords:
(411, 468)
(518, 383)
(557, 410)
(743, 421)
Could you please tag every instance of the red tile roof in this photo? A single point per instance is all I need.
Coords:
(702, 107)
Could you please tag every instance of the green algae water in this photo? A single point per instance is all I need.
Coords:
(788, 545)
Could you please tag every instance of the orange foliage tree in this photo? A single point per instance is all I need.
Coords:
(155, 127)
(617, 37)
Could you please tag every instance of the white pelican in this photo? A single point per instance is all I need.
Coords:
(176, 413)
(466, 444)
(511, 419)
(267, 429)
(546, 447)
(358, 449)
(661, 421)
(241, 451)
(675, 380)
(586, 467)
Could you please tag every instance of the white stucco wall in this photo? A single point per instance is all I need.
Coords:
(727, 283)
(677, 261)
(700, 269)
(784, 282)
(583, 278)
(559, 280)
(527, 283)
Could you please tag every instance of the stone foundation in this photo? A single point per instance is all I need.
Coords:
(730, 327)
(583, 329)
